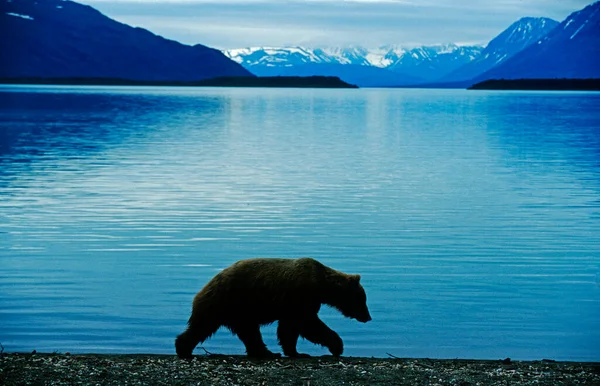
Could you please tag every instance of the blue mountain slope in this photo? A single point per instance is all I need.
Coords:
(52, 38)
(571, 50)
(512, 40)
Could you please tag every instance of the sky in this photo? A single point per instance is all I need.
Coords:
(226, 24)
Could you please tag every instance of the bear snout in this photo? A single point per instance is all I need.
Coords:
(364, 318)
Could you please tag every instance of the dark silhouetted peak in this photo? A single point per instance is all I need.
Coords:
(55, 38)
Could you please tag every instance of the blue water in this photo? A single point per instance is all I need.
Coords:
(472, 216)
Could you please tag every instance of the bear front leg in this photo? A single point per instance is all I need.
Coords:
(317, 332)
(250, 335)
(288, 332)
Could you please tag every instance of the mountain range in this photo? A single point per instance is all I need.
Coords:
(529, 48)
(62, 38)
(368, 68)
(56, 38)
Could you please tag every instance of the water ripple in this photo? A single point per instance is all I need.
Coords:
(473, 218)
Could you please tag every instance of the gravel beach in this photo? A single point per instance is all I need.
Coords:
(65, 369)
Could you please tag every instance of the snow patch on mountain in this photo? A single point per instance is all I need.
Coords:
(19, 15)
(386, 55)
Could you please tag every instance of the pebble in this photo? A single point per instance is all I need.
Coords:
(57, 369)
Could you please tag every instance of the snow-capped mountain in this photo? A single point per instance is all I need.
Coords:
(385, 56)
(274, 56)
(346, 55)
(512, 40)
(571, 50)
(401, 65)
(433, 62)
(295, 56)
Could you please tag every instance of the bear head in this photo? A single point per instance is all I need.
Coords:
(352, 302)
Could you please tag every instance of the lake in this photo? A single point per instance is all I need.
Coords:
(472, 216)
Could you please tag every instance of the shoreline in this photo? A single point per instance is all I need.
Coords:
(315, 81)
(144, 369)
(563, 84)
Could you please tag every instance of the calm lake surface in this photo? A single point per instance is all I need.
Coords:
(472, 216)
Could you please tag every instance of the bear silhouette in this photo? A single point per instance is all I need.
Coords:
(255, 292)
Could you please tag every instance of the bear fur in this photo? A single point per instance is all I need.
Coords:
(255, 292)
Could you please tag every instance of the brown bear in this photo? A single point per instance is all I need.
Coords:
(255, 292)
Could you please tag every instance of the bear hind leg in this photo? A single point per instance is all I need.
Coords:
(250, 335)
(288, 332)
(196, 333)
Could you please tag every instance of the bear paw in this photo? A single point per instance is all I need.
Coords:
(336, 348)
(183, 349)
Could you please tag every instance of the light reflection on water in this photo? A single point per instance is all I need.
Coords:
(473, 217)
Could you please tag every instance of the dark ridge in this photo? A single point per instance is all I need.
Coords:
(56, 39)
(227, 81)
(539, 84)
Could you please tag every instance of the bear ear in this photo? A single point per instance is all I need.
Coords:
(355, 278)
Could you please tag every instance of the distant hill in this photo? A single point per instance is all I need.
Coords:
(539, 84)
(56, 38)
(512, 40)
(363, 76)
(571, 50)
(222, 81)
